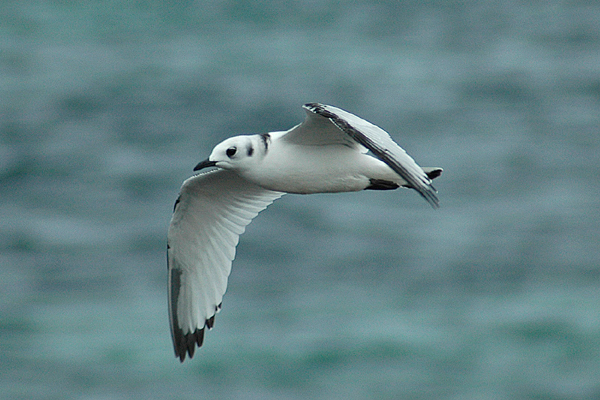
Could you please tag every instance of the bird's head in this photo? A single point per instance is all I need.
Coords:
(236, 153)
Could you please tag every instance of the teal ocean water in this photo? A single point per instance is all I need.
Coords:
(106, 106)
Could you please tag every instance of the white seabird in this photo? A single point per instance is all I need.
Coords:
(326, 153)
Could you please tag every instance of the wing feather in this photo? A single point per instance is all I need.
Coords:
(212, 210)
(367, 136)
(317, 131)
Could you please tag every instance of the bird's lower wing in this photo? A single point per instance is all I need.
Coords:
(212, 210)
(381, 145)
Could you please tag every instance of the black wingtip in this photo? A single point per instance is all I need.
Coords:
(428, 192)
(432, 199)
(186, 344)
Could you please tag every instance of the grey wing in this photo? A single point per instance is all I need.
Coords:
(316, 130)
(212, 210)
(381, 145)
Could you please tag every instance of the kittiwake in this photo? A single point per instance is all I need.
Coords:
(327, 153)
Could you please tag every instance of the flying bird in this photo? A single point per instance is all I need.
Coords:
(331, 151)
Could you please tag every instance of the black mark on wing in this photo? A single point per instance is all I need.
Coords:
(423, 188)
(185, 343)
(434, 174)
(381, 184)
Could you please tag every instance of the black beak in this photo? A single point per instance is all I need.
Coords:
(205, 164)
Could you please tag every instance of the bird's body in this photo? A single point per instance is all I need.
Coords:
(294, 168)
(327, 153)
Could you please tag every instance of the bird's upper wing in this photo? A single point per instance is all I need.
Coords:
(327, 125)
(317, 130)
(212, 210)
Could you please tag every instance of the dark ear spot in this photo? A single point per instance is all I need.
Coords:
(250, 151)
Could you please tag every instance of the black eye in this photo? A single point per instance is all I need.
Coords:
(231, 151)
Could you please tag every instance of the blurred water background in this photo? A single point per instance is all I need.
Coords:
(107, 105)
